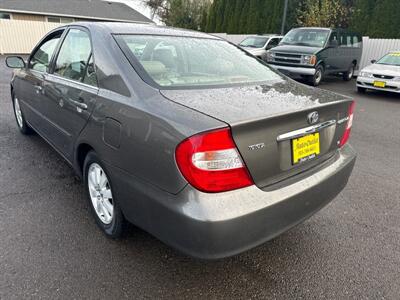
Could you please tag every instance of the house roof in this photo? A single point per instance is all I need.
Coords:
(85, 9)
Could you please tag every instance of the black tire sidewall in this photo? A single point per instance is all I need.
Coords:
(115, 228)
(349, 71)
(320, 69)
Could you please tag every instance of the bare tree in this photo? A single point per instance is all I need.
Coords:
(180, 13)
(158, 7)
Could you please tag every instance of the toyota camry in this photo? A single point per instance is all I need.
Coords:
(183, 134)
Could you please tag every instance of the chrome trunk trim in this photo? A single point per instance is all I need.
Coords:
(304, 131)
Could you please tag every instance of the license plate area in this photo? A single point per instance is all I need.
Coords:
(305, 148)
(380, 84)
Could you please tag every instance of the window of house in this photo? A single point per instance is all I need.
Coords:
(59, 20)
(5, 16)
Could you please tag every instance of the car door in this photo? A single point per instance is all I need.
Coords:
(31, 93)
(71, 89)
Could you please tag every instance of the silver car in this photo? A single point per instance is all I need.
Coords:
(383, 75)
(259, 45)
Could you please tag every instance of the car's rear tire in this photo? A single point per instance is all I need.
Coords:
(316, 79)
(361, 90)
(348, 75)
(102, 201)
(19, 117)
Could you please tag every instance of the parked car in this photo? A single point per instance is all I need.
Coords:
(259, 44)
(189, 137)
(383, 75)
(313, 53)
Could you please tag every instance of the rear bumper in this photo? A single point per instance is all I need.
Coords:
(212, 226)
(294, 70)
(368, 83)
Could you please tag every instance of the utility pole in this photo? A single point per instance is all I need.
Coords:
(284, 17)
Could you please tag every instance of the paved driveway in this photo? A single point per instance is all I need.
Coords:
(50, 246)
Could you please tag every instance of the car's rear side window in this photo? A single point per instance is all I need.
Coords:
(189, 62)
(41, 58)
(75, 57)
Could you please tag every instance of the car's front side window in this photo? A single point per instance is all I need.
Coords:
(75, 56)
(40, 60)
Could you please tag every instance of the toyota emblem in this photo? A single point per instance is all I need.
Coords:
(313, 117)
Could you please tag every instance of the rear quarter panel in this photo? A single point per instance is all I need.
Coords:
(151, 125)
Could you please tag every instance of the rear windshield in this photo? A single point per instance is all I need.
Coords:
(306, 37)
(254, 42)
(185, 61)
(390, 59)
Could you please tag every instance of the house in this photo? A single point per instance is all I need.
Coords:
(24, 22)
(66, 11)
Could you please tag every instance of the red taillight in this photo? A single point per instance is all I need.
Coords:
(346, 134)
(211, 162)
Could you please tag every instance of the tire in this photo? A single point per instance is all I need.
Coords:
(316, 79)
(103, 205)
(361, 90)
(347, 76)
(19, 117)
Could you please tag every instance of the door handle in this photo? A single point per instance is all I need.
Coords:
(38, 88)
(80, 105)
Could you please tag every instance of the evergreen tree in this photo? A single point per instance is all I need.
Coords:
(228, 16)
(374, 18)
(363, 12)
(385, 22)
(203, 22)
(243, 18)
(234, 24)
(211, 18)
(219, 15)
(253, 17)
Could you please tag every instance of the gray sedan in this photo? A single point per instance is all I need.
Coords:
(183, 134)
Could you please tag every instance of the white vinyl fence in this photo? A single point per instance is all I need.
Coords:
(372, 48)
(19, 37)
(376, 48)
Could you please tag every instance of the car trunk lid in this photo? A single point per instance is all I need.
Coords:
(266, 120)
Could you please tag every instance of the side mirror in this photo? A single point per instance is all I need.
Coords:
(90, 70)
(15, 62)
(333, 44)
(373, 61)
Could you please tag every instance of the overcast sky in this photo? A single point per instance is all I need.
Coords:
(139, 6)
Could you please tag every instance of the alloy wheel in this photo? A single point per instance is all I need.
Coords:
(100, 193)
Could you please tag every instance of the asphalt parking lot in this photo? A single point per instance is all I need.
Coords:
(51, 248)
